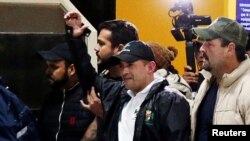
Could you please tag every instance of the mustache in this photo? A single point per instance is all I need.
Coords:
(127, 76)
(205, 56)
(97, 54)
(48, 76)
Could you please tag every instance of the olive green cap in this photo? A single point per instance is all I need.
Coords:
(225, 28)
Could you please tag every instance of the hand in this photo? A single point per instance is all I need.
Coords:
(73, 19)
(190, 76)
(94, 104)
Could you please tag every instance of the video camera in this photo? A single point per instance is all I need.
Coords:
(183, 20)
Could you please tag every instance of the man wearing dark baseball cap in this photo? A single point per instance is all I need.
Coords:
(138, 66)
(59, 52)
(62, 104)
(133, 51)
(130, 105)
(222, 98)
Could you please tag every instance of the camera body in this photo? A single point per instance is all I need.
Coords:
(185, 20)
(189, 21)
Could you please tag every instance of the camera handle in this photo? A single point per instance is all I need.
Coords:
(191, 63)
(190, 55)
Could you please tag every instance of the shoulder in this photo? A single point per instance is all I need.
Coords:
(243, 86)
(172, 94)
(171, 100)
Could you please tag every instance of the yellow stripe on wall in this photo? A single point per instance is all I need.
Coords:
(231, 9)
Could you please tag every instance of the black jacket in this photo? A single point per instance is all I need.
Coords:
(168, 120)
(63, 114)
(170, 114)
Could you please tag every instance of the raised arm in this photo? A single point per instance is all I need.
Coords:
(74, 31)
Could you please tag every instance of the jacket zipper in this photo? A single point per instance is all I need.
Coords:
(60, 115)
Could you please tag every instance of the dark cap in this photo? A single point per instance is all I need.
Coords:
(224, 28)
(59, 52)
(133, 51)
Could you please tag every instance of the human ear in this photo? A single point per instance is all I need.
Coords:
(231, 49)
(118, 49)
(71, 69)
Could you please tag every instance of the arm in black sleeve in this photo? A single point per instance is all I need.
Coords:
(87, 75)
(82, 61)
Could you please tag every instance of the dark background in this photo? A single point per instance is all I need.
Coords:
(21, 70)
(21, 38)
(96, 11)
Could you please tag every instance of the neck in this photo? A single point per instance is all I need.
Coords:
(146, 83)
(228, 67)
(73, 80)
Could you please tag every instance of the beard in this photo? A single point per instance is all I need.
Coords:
(58, 83)
(206, 63)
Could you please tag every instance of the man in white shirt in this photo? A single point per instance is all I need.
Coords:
(139, 108)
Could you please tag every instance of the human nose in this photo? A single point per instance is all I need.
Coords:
(97, 48)
(202, 48)
(123, 69)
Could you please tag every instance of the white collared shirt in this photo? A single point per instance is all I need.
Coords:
(129, 112)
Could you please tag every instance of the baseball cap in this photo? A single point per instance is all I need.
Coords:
(58, 52)
(133, 51)
(225, 28)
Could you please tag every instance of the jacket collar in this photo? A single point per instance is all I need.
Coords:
(157, 86)
(229, 78)
(72, 88)
(206, 74)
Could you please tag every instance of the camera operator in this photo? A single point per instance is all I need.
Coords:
(184, 21)
(194, 79)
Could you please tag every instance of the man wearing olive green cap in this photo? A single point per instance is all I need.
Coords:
(223, 98)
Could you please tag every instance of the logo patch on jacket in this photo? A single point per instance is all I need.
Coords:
(149, 117)
(72, 120)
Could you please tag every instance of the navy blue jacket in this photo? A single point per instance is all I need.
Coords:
(17, 123)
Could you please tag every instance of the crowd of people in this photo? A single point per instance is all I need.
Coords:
(137, 94)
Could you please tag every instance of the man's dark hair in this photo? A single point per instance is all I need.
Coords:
(122, 31)
(240, 51)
